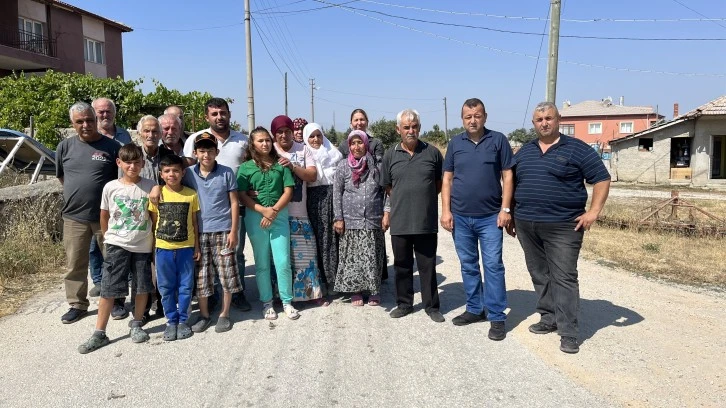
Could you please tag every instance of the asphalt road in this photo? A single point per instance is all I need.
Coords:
(644, 344)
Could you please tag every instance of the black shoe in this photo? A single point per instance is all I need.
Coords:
(119, 311)
(241, 302)
(400, 311)
(73, 315)
(468, 318)
(569, 345)
(542, 328)
(497, 332)
(436, 316)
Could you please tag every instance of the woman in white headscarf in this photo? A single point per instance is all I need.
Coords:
(320, 201)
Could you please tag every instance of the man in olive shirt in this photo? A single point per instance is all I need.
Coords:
(411, 175)
(84, 164)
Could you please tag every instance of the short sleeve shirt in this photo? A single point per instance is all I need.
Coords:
(414, 194)
(129, 225)
(151, 164)
(85, 168)
(174, 226)
(269, 184)
(300, 155)
(476, 189)
(550, 186)
(122, 136)
(215, 210)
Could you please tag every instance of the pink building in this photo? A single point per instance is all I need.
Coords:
(602, 121)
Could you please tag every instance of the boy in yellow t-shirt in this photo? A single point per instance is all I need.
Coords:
(177, 247)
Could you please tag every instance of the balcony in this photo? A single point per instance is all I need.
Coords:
(23, 50)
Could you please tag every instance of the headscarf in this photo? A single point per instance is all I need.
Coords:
(359, 167)
(280, 122)
(326, 156)
(298, 123)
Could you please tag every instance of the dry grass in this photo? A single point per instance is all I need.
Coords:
(676, 257)
(31, 256)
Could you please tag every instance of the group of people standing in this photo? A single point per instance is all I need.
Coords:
(316, 216)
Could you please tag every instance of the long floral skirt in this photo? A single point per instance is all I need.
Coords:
(304, 262)
(320, 213)
(360, 260)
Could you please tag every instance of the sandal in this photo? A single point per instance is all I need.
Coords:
(321, 302)
(291, 312)
(356, 300)
(374, 300)
(269, 312)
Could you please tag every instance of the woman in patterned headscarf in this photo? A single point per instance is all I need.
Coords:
(320, 202)
(297, 129)
(358, 212)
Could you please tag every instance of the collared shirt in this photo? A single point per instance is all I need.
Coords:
(269, 184)
(121, 136)
(476, 190)
(231, 151)
(549, 186)
(215, 214)
(414, 194)
(151, 164)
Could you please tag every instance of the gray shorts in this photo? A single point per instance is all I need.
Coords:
(117, 266)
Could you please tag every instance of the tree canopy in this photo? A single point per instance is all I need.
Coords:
(522, 135)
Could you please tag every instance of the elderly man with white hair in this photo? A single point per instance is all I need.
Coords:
(106, 121)
(84, 164)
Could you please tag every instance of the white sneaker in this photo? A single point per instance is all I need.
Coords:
(291, 312)
(268, 312)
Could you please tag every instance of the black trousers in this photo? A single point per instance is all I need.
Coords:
(423, 247)
(551, 250)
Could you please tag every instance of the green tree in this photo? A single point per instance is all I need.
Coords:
(522, 135)
(333, 135)
(456, 131)
(385, 130)
(436, 135)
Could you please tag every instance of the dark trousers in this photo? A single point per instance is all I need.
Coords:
(551, 250)
(423, 246)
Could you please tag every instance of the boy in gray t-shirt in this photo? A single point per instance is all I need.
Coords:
(129, 240)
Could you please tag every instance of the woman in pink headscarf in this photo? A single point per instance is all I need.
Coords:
(358, 211)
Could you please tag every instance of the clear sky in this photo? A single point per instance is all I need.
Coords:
(387, 55)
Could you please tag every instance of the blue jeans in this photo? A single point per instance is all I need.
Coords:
(175, 278)
(472, 234)
(95, 262)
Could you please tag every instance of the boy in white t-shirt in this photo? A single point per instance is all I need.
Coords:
(129, 240)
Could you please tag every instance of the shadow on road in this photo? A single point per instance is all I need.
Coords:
(594, 314)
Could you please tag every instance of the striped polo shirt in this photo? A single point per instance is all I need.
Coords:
(550, 187)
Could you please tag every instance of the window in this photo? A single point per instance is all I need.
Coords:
(652, 123)
(645, 144)
(567, 130)
(93, 51)
(31, 34)
(594, 128)
(626, 127)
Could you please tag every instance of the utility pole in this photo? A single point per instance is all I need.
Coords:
(554, 45)
(285, 93)
(312, 99)
(250, 87)
(446, 121)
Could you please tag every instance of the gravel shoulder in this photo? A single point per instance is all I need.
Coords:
(644, 343)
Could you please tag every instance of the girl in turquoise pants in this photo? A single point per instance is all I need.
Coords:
(266, 220)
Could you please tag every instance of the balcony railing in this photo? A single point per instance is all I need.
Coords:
(25, 40)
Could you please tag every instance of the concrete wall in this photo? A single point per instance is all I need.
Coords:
(9, 13)
(702, 148)
(653, 167)
(94, 30)
(68, 28)
(114, 52)
(32, 10)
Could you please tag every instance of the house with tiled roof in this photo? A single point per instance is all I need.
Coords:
(600, 121)
(37, 35)
(690, 149)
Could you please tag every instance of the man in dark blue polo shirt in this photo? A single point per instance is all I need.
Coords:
(411, 175)
(475, 199)
(550, 218)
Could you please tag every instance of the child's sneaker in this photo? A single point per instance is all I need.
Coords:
(268, 312)
(138, 335)
(183, 331)
(291, 312)
(94, 343)
(170, 332)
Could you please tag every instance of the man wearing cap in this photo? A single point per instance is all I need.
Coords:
(476, 196)
(232, 146)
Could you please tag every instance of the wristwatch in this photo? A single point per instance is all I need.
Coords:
(506, 210)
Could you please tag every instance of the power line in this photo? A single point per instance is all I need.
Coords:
(276, 7)
(280, 48)
(271, 13)
(282, 59)
(498, 30)
(536, 66)
(522, 54)
(713, 21)
(379, 97)
(279, 28)
(591, 20)
(265, 46)
(189, 29)
(300, 58)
